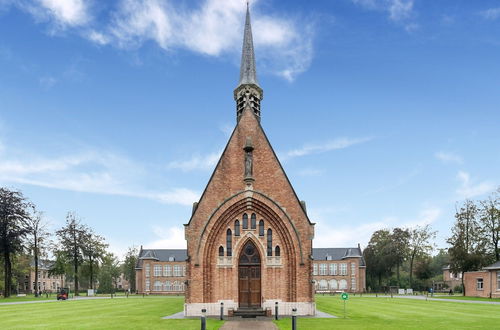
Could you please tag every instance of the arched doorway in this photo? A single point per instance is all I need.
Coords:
(249, 276)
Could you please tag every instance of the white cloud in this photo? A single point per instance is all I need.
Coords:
(448, 157)
(284, 46)
(62, 13)
(329, 235)
(469, 189)
(491, 14)
(400, 11)
(168, 238)
(197, 162)
(95, 171)
(339, 143)
(98, 37)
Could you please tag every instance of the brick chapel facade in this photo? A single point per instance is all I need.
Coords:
(249, 238)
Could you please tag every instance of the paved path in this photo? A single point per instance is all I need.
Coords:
(440, 299)
(248, 324)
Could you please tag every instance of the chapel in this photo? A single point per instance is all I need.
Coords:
(249, 238)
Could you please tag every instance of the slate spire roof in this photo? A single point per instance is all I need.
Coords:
(248, 72)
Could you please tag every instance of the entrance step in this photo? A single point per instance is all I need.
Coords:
(250, 312)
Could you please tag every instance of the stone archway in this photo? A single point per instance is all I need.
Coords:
(249, 277)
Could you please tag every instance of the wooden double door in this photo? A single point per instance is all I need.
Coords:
(249, 277)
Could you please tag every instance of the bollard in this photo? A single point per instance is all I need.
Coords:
(203, 319)
(276, 310)
(222, 310)
(294, 318)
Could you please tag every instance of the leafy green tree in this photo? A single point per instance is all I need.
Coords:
(423, 270)
(109, 273)
(419, 244)
(400, 240)
(467, 246)
(94, 249)
(72, 243)
(37, 238)
(13, 214)
(378, 257)
(489, 218)
(128, 266)
(439, 261)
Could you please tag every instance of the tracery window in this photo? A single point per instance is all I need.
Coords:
(261, 228)
(229, 242)
(269, 242)
(253, 221)
(277, 251)
(245, 221)
(237, 228)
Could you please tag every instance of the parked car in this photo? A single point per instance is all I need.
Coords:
(62, 294)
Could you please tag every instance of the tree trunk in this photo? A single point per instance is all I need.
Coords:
(463, 286)
(7, 271)
(76, 276)
(35, 252)
(397, 273)
(411, 269)
(91, 274)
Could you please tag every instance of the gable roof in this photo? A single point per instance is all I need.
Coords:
(496, 265)
(161, 255)
(338, 254)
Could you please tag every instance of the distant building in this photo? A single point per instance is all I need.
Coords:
(339, 269)
(451, 280)
(160, 271)
(163, 271)
(483, 283)
(44, 281)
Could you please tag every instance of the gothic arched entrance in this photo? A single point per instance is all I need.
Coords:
(249, 276)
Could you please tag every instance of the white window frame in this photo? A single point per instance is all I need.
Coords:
(177, 270)
(168, 286)
(322, 269)
(333, 269)
(479, 284)
(167, 270)
(315, 269)
(353, 283)
(157, 286)
(157, 270)
(353, 268)
(147, 285)
(343, 269)
(148, 270)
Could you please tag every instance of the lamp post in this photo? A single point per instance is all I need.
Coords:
(294, 318)
(203, 319)
(276, 310)
(221, 310)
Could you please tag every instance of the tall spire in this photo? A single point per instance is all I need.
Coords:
(248, 73)
(248, 94)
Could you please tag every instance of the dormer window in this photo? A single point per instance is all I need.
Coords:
(171, 258)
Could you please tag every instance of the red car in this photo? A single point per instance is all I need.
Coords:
(62, 294)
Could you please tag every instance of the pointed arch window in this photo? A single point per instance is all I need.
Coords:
(229, 243)
(253, 221)
(269, 242)
(277, 251)
(245, 221)
(221, 251)
(261, 228)
(237, 228)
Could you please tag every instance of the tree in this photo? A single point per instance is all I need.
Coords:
(13, 213)
(378, 256)
(489, 217)
(419, 244)
(37, 239)
(399, 246)
(72, 242)
(468, 248)
(94, 249)
(423, 270)
(128, 267)
(109, 274)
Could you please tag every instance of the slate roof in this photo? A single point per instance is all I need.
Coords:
(338, 254)
(318, 254)
(42, 264)
(496, 265)
(248, 72)
(161, 255)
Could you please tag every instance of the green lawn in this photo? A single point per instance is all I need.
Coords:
(146, 313)
(397, 313)
(468, 298)
(122, 313)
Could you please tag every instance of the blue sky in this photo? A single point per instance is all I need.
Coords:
(383, 112)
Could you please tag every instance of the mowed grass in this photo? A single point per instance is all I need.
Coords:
(468, 298)
(398, 313)
(120, 313)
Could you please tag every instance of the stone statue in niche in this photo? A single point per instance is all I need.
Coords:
(248, 158)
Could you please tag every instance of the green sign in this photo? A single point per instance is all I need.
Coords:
(344, 296)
